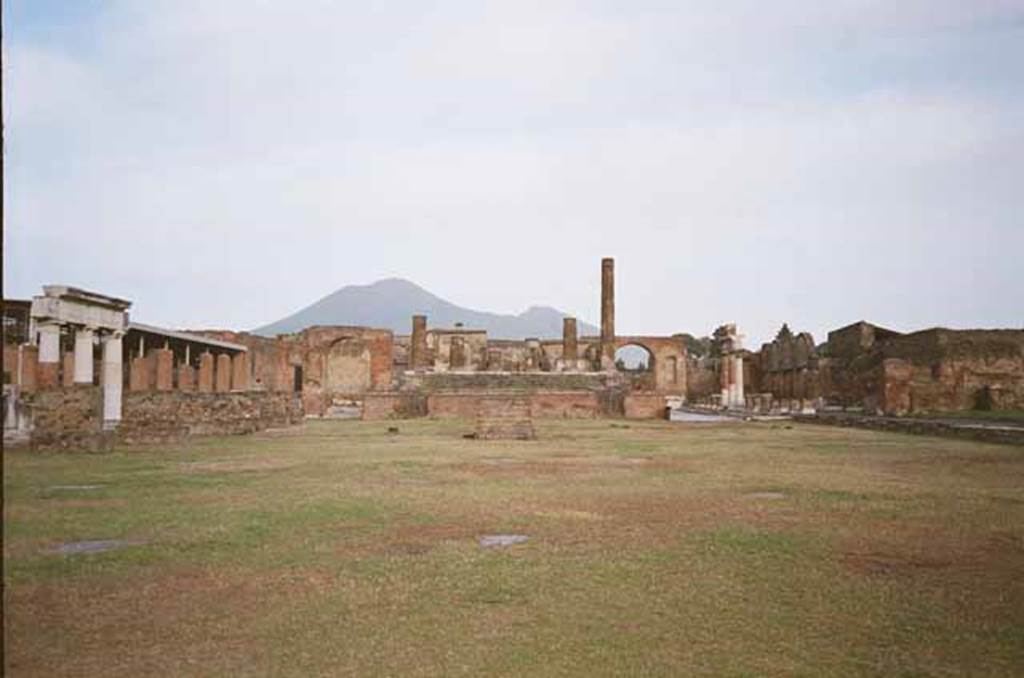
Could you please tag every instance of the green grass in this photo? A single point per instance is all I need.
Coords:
(657, 549)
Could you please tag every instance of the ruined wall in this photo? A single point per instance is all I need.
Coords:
(504, 417)
(340, 363)
(946, 370)
(67, 419)
(157, 417)
(644, 406)
(394, 405)
(462, 404)
(554, 381)
(70, 419)
(457, 349)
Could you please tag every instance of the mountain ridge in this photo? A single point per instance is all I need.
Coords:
(390, 303)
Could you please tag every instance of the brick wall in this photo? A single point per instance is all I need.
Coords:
(644, 406)
(377, 406)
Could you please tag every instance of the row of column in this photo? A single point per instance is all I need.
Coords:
(216, 374)
(81, 364)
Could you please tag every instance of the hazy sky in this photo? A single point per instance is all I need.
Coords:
(226, 162)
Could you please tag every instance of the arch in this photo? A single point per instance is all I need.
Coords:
(636, 361)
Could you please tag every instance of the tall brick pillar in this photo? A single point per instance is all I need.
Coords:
(29, 374)
(223, 377)
(418, 350)
(163, 359)
(139, 374)
(186, 377)
(240, 372)
(206, 373)
(67, 369)
(608, 309)
(568, 339)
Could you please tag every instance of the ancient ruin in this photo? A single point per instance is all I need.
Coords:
(79, 373)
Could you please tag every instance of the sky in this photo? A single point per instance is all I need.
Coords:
(224, 163)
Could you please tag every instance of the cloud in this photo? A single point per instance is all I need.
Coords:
(225, 163)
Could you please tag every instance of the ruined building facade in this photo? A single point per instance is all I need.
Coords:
(76, 369)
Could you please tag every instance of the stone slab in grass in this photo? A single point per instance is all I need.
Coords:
(93, 546)
(491, 541)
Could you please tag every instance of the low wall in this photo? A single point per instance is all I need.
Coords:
(67, 419)
(543, 404)
(377, 406)
(993, 433)
(153, 417)
(644, 406)
(70, 419)
(516, 381)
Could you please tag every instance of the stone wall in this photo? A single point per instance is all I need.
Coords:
(67, 419)
(170, 416)
(70, 419)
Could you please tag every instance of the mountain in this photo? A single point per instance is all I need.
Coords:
(391, 303)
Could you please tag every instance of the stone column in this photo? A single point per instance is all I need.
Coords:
(569, 340)
(83, 355)
(725, 378)
(608, 310)
(240, 372)
(113, 378)
(223, 377)
(163, 359)
(736, 383)
(49, 355)
(418, 348)
(206, 373)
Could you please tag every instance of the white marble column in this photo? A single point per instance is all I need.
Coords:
(83, 355)
(738, 380)
(113, 379)
(49, 343)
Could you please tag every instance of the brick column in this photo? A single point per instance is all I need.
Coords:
(163, 359)
(569, 339)
(608, 310)
(223, 375)
(418, 348)
(49, 355)
(28, 368)
(186, 377)
(206, 373)
(67, 369)
(139, 374)
(240, 372)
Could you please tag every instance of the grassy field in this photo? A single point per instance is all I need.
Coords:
(655, 549)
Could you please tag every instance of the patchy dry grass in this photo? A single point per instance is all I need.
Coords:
(657, 549)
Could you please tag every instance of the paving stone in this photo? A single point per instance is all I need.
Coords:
(489, 541)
